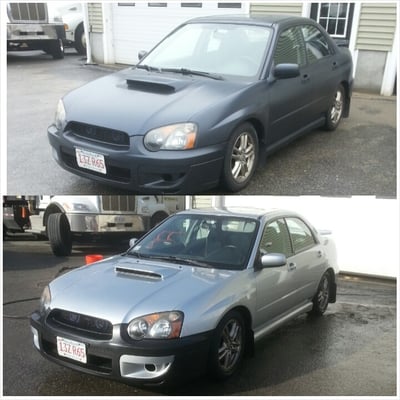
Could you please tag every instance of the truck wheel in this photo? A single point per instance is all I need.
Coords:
(157, 218)
(80, 40)
(56, 49)
(59, 234)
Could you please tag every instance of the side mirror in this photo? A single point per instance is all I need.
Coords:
(286, 71)
(273, 260)
(142, 54)
(132, 242)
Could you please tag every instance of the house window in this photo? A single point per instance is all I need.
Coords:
(336, 18)
(193, 5)
(229, 5)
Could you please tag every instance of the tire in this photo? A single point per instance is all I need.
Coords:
(59, 234)
(56, 49)
(227, 346)
(157, 218)
(241, 158)
(80, 40)
(335, 113)
(321, 298)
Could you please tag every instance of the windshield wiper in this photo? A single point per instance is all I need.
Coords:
(186, 71)
(175, 259)
(147, 67)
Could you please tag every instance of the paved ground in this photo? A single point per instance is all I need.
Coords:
(350, 351)
(358, 159)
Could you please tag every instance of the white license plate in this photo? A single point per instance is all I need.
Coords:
(71, 349)
(89, 160)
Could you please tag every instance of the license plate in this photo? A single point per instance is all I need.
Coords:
(71, 349)
(89, 160)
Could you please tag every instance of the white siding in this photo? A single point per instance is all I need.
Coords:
(276, 8)
(377, 26)
(202, 201)
(95, 17)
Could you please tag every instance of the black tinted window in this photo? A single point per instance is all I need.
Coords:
(317, 46)
(290, 48)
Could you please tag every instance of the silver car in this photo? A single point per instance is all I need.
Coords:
(194, 294)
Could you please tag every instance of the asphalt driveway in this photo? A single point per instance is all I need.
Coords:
(358, 159)
(350, 351)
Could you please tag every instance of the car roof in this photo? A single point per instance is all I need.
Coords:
(263, 20)
(249, 212)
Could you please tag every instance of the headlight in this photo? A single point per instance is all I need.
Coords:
(166, 325)
(45, 300)
(60, 118)
(171, 137)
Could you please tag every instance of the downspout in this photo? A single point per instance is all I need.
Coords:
(86, 27)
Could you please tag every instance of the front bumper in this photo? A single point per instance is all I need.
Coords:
(106, 223)
(145, 362)
(139, 170)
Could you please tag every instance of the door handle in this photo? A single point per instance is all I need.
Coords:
(320, 253)
(305, 78)
(292, 266)
(334, 65)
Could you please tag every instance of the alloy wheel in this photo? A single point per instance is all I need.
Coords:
(243, 157)
(337, 107)
(323, 294)
(230, 348)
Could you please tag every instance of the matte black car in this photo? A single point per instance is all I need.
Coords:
(205, 105)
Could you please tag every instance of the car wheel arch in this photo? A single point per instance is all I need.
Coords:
(260, 129)
(246, 315)
(346, 87)
(332, 297)
(52, 209)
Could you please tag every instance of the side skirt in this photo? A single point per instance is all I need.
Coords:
(266, 329)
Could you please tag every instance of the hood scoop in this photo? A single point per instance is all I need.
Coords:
(151, 87)
(138, 273)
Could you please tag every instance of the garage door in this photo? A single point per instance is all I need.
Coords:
(141, 25)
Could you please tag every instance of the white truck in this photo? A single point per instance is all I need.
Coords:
(68, 219)
(29, 27)
(72, 16)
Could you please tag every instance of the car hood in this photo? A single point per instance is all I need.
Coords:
(122, 288)
(135, 101)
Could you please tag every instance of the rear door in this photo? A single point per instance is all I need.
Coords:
(308, 262)
(289, 99)
(323, 69)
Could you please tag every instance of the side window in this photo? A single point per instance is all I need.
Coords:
(301, 235)
(290, 48)
(317, 46)
(276, 239)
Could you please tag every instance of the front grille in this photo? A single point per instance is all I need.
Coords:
(32, 12)
(83, 325)
(118, 174)
(95, 363)
(118, 203)
(110, 137)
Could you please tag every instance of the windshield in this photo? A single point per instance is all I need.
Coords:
(218, 49)
(205, 241)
